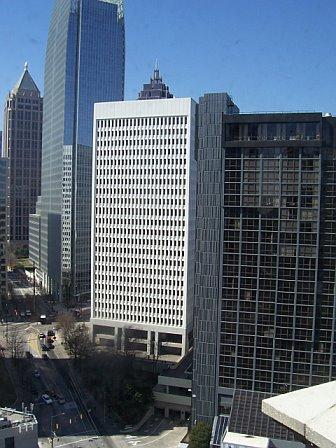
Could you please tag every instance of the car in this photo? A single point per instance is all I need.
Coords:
(45, 356)
(28, 313)
(60, 399)
(29, 355)
(42, 335)
(37, 373)
(51, 333)
(22, 314)
(44, 348)
(46, 399)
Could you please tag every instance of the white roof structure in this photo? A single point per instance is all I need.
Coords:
(310, 412)
(233, 439)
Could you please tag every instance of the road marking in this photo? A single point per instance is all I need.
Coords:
(155, 440)
(78, 441)
(155, 429)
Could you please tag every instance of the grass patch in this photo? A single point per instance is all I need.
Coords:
(7, 391)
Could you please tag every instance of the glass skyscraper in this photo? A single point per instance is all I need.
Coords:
(85, 64)
(265, 261)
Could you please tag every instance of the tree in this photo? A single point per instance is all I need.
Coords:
(15, 344)
(66, 323)
(200, 436)
(77, 342)
(11, 257)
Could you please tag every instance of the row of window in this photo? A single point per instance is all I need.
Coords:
(137, 143)
(122, 132)
(147, 121)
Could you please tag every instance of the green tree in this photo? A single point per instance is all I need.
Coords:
(200, 436)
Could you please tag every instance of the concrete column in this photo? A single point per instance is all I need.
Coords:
(182, 415)
(166, 412)
(122, 339)
(184, 345)
(116, 342)
(156, 344)
(149, 343)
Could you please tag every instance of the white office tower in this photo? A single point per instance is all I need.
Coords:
(143, 241)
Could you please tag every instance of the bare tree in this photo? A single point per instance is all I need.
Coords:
(77, 342)
(15, 344)
(66, 323)
(11, 257)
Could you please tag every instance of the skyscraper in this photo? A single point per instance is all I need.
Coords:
(22, 146)
(264, 319)
(85, 63)
(3, 229)
(143, 223)
(156, 89)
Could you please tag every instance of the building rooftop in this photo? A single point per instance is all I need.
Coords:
(310, 412)
(156, 89)
(10, 418)
(25, 82)
(233, 438)
(247, 418)
(181, 370)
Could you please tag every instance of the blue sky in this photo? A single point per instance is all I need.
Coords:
(270, 55)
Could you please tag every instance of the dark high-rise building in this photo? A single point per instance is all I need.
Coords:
(265, 255)
(85, 64)
(156, 89)
(22, 146)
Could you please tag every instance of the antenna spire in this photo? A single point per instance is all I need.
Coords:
(26, 66)
(156, 70)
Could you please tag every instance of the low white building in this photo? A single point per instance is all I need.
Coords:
(17, 429)
(143, 220)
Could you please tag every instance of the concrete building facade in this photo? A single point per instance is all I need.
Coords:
(143, 219)
(22, 143)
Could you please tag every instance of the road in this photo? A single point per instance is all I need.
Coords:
(72, 423)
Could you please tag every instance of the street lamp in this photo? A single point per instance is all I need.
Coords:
(52, 433)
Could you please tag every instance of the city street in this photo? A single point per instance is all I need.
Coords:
(71, 422)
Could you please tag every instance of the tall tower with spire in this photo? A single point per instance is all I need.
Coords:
(85, 64)
(156, 89)
(22, 146)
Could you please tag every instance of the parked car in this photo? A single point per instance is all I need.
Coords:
(37, 374)
(51, 333)
(46, 399)
(42, 335)
(44, 348)
(28, 313)
(29, 355)
(45, 356)
(22, 314)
